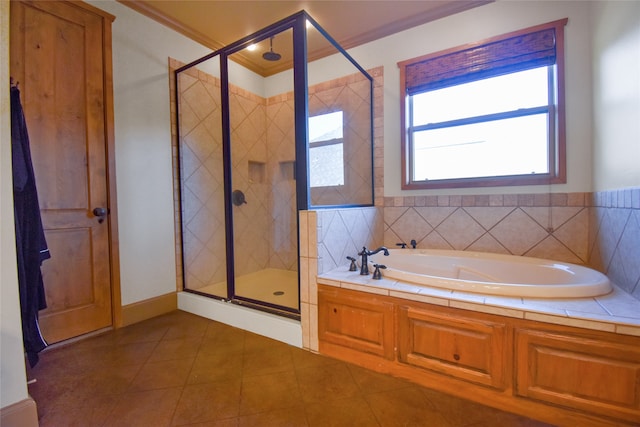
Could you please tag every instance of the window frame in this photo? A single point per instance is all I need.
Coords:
(556, 138)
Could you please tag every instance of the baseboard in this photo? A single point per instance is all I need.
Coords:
(147, 309)
(20, 414)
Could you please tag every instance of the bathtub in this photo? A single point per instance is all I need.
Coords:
(492, 274)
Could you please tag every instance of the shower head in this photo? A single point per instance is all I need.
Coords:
(271, 55)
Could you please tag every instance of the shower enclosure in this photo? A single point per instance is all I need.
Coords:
(277, 122)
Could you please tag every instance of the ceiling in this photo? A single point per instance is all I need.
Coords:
(216, 24)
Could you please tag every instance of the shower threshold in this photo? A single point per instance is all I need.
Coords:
(260, 322)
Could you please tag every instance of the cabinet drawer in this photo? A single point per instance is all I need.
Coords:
(599, 376)
(466, 348)
(360, 323)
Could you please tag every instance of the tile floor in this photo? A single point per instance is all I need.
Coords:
(181, 369)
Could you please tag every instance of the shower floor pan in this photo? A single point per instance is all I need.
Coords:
(270, 285)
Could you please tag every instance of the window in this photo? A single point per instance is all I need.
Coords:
(326, 157)
(490, 114)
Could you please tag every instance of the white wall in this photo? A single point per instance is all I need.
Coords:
(141, 48)
(616, 53)
(13, 378)
(472, 26)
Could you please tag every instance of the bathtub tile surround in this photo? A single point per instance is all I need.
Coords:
(614, 237)
(330, 235)
(563, 229)
(601, 230)
(526, 224)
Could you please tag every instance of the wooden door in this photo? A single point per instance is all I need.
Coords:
(57, 58)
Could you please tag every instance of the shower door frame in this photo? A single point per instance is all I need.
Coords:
(297, 23)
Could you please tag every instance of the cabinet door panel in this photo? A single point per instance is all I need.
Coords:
(594, 375)
(466, 348)
(363, 324)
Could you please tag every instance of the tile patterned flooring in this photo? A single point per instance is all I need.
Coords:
(181, 369)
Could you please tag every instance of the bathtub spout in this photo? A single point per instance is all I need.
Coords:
(364, 267)
(381, 248)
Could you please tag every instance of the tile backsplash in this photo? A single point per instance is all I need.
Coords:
(537, 225)
(601, 230)
(614, 237)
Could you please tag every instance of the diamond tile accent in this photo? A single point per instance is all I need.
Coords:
(552, 248)
(488, 217)
(450, 228)
(572, 235)
(435, 215)
(343, 232)
(487, 243)
(411, 226)
(554, 216)
(518, 232)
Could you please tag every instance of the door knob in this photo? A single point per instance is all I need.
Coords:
(100, 213)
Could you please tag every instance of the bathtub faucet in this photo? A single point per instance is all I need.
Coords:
(364, 267)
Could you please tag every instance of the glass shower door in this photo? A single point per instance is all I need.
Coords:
(265, 236)
(202, 179)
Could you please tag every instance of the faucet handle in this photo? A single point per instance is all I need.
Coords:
(402, 245)
(376, 273)
(353, 266)
(413, 243)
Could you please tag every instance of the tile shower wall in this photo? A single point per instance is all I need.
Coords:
(262, 142)
(280, 152)
(202, 179)
(614, 237)
(349, 94)
(271, 162)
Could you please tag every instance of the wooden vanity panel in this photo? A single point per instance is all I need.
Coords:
(599, 376)
(562, 375)
(471, 349)
(360, 323)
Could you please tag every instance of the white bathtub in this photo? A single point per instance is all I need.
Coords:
(492, 274)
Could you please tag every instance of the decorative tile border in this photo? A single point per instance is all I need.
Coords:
(491, 200)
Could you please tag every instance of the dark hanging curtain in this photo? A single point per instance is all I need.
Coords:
(31, 246)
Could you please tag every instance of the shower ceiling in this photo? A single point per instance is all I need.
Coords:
(216, 24)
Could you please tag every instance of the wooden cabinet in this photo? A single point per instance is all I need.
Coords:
(596, 375)
(559, 374)
(464, 347)
(355, 321)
